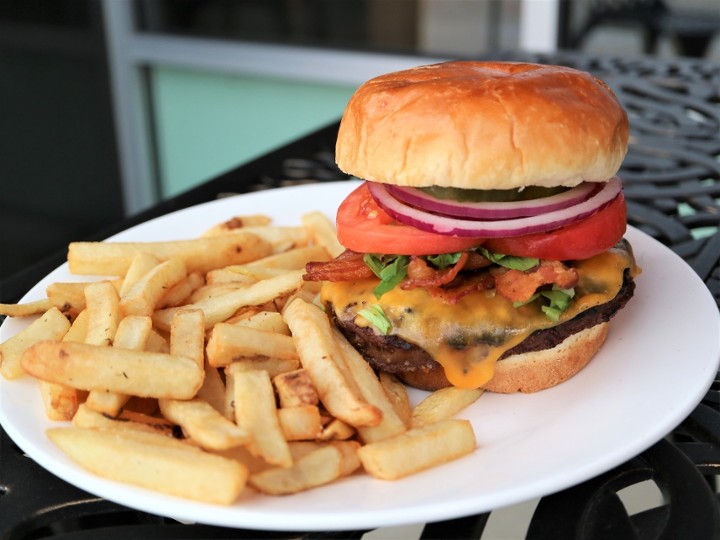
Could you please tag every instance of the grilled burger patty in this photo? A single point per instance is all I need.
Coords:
(393, 354)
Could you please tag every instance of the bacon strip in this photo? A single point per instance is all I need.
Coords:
(519, 286)
(420, 274)
(347, 266)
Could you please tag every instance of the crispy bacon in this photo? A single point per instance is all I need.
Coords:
(347, 266)
(519, 286)
(421, 274)
(462, 286)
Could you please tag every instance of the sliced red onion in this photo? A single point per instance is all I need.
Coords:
(492, 210)
(428, 221)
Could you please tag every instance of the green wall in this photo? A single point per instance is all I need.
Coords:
(207, 123)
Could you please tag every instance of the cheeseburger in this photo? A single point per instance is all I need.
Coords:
(485, 246)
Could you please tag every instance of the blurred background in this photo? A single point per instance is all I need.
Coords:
(109, 106)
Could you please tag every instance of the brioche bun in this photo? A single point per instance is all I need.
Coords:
(483, 125)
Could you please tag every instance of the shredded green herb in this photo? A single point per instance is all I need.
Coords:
(389, 269)
(559, 301)
(376, 316)
(509, 261)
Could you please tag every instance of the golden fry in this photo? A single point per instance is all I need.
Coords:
(321, 357)
(52, 325)
(203, 424)
(199, 255)
(132, 334)
(418, 449)
(28, 309)
(443, 404)
(103, 307)
(153, 461)
(322, 232)
(229, 343)
(256, 412)
(93, 367)
(300, 423)
(146, 292)
(218, 309)
(317, 468)
(140, 265)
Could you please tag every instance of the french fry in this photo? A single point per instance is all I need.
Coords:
(132, 334)
(85, 417)
(229, 274)
(78, 329)
(181, 291)
(203, 424)
(280, 238)
(187, 335)
(217, 309)
(371, 389)
(322, 232)
(142, 297)
(397, 393)
(443, 404)
(52, 325)
(229, 343)
(59, 401)
(28, 309)
(320, 356)
(238, 222)
(199, 254)
(295, 389)
(256, 412)
(337, 430)
(269, 321)
(140, 265)
(418, 449)
(317, 468)
(103, 307)
(293, 259)
(213, 389)
(153, 461)
(157, 343)
(300, 423)
(93, 367)
(68, 297)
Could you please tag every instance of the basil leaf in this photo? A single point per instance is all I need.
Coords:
(510, 261)
(559, 298)
(551, 313)
(444, 260)
(559, 301)
(390, 269)
(376, 316)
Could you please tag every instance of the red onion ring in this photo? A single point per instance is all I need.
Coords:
(492, 210)
(430, 222)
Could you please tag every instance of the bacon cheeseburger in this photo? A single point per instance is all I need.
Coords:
(485, 247)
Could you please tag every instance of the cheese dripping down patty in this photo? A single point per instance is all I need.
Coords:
(467, 338)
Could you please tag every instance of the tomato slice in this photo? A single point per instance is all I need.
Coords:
(364, 227)
(580, 240)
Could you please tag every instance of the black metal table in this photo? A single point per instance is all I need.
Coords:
(672, 184)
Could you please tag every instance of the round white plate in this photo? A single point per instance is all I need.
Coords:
(658, 362)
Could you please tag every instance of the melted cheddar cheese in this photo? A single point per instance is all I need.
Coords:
(468, 337)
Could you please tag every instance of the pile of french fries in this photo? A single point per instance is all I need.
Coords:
(204, 367)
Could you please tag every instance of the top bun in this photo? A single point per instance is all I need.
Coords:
(483, 125)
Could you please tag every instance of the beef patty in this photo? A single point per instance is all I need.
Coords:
(393, 354)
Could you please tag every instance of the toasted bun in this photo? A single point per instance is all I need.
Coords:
(528, 372)
(483, 125)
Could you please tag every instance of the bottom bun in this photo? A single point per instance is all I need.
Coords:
(527, 372)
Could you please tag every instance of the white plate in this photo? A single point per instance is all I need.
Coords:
(656, 365)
